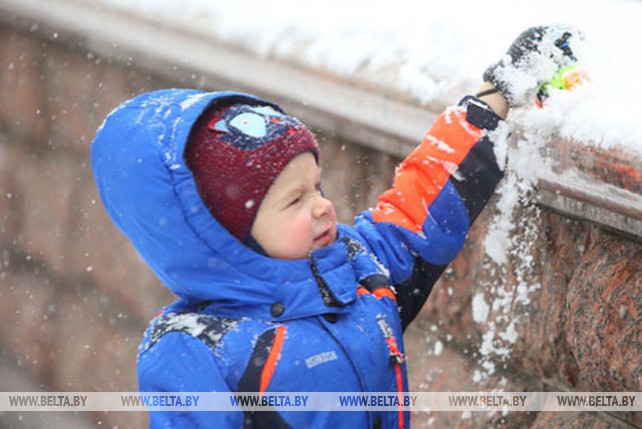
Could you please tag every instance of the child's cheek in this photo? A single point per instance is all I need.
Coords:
(301, 228)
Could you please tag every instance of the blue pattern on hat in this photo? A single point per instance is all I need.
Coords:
(249, 127)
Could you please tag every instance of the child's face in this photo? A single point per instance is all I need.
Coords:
(294, 218)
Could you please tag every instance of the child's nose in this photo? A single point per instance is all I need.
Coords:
(322, 206)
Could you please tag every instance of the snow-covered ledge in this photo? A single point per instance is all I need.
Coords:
(359, 107)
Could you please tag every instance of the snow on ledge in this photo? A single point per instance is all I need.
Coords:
(419, 52)
(433, 52)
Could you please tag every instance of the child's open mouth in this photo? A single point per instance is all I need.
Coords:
(323, 239)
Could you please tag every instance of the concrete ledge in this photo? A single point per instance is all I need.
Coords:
(602, 204)
(603, 186)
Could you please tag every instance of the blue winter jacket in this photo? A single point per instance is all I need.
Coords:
(244, 322)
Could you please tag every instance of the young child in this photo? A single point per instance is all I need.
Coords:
(221, 195)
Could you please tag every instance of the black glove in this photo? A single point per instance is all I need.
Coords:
(533, 59)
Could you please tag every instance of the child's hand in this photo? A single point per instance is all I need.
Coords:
(533, 59)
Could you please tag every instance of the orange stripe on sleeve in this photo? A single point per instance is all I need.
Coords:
(362, 291)
(422, 175)
(273, 358)
(385, 292)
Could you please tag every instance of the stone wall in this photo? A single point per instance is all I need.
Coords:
(566, 320)
(563, 313)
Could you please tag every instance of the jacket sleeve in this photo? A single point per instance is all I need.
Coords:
(182, 363)
(420, 224)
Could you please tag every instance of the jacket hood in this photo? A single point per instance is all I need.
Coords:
(151, 195)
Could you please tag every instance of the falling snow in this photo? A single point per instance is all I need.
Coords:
(438, 54)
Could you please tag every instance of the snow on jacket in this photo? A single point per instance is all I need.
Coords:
(245, 322)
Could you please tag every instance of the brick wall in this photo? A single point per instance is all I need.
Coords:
(563, 314)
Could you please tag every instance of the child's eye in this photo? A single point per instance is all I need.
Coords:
(294, 201)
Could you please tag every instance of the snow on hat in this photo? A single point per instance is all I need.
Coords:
(235, 152)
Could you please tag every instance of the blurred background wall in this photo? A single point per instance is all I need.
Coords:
(562, 312)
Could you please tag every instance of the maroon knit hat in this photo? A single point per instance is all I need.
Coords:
(235, 152)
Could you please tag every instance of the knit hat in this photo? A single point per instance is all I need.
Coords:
(236, 151)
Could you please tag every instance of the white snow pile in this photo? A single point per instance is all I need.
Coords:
(438, 49)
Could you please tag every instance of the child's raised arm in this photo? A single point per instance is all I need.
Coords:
(420, 224)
